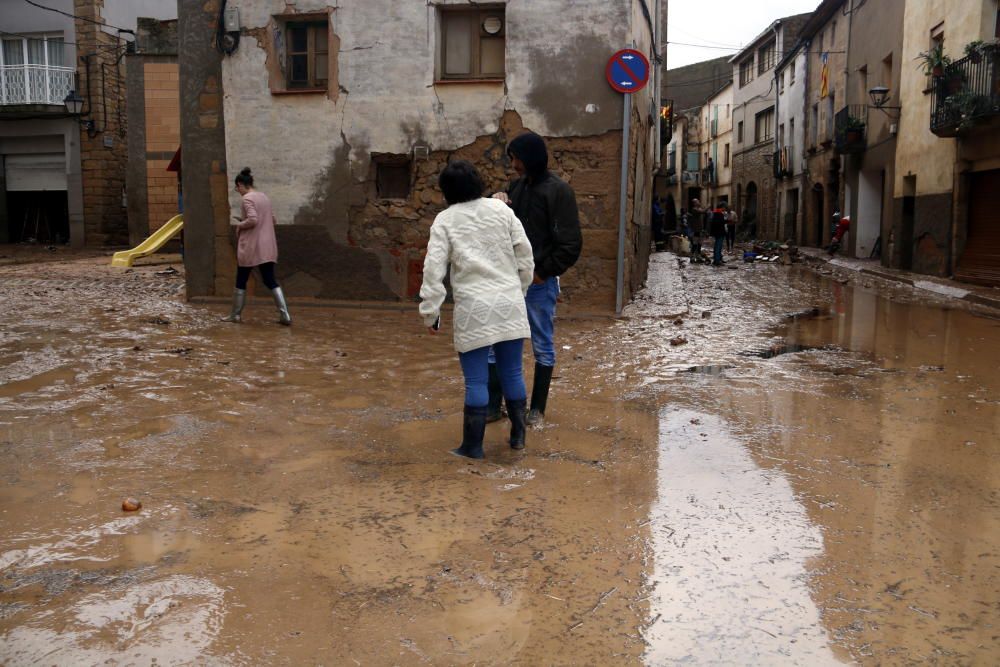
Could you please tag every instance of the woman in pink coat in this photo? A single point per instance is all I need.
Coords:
(257, 247)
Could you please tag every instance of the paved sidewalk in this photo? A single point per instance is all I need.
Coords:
(983, 296)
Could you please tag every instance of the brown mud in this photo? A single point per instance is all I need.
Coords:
(831, 501)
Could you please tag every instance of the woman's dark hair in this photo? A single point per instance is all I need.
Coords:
(244, 177)
(460, 182)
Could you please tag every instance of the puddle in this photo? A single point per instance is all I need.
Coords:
(731, 546)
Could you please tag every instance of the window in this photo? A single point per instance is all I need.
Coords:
(814, 128)
(739, 132)
(791, 131)
(887, 72)
(765, 58)
(473, 43)
(725, 162)
(728, 111)
(308, 54)
(746, 71)
(764, 126)
(791, 73)
(392, 176)
(833, 33)
(781, 83)
(781, 135)
(861, 83)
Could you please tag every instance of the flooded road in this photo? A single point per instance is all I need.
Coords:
(809, 478)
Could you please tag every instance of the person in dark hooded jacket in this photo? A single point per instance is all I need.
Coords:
(546, 207)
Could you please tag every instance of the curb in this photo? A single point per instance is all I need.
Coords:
(961, 294)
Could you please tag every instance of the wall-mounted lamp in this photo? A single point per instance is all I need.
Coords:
(880, 95)
(74, 105)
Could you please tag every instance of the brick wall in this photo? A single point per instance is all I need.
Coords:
(105, 154)
(163, 130)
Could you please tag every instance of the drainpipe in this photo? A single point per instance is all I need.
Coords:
(804, 177)
(852, 246)
(657, 93)
(776, 26)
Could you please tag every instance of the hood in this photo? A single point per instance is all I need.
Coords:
(529, 148)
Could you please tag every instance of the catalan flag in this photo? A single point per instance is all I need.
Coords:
(824, 76)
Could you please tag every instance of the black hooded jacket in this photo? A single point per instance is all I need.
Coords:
(546, 207)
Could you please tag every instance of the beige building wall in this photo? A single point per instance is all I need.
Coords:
(715, 139)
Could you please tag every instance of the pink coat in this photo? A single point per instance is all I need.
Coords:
(256, 243)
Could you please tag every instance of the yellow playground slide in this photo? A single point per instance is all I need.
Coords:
(150, 245)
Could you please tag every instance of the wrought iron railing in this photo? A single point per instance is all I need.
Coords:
(849, 128)
(967, 92)
(35, 84)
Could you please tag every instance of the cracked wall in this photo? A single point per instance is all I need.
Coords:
(311, 153)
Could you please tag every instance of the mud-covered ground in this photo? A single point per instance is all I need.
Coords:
(759, 465)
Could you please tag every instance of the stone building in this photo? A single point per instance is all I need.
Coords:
(945, 213)
(788, 163)
(347, 114)
(755, 121)
(63, 178)
(825, 38)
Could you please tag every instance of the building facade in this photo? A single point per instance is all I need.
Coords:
(875, 60)
(755, 120)
(347, 137)
(63, 176)
(788, 162)
(715, 147)
(825, 36)
(944, 214)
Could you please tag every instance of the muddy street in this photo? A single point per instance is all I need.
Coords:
(758, 465)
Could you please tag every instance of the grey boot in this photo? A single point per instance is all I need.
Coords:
(239, 300)
(279, 301)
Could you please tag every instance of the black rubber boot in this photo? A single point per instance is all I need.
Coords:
(539, 394)
(517, 410)
(493, 413)
(473, 430)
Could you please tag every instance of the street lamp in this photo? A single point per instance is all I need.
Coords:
(74, 105)
(880, 95)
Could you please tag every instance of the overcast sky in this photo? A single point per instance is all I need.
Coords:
(722, 23)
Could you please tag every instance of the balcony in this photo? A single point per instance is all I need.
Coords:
(35, 84)
(781, 161)
(849, 129)
(968, 94)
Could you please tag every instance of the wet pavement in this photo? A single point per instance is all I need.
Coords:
(807, 475)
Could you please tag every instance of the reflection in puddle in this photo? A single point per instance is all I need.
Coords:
(731, 545)
(170, 621)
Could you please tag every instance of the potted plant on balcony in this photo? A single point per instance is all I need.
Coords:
(974, 50)
(954, 78)
(933, 61)
(963, 108)
(854, 130)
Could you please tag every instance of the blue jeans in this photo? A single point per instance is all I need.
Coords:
(717, 254)
(541, 304)
(476, 371)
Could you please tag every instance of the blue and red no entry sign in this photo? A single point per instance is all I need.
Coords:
(627, 71)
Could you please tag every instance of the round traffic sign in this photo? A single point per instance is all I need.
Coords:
(627, 71)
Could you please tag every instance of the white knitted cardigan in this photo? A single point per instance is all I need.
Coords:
(491, 269)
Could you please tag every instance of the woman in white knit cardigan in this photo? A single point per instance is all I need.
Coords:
(491, 268)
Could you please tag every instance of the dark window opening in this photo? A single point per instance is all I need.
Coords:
(392, 177)
(308, 54)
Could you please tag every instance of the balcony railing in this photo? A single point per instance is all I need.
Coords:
(35, 84)
(967, 93)
(849, 129)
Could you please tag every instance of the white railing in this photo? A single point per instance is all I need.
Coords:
(35, 84)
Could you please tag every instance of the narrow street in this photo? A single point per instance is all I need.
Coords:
(758, 465)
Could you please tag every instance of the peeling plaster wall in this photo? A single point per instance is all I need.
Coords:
(311, 153)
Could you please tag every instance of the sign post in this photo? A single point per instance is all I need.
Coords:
(627, 72)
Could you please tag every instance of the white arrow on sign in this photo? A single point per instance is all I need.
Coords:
(628, 56)
(626, 83)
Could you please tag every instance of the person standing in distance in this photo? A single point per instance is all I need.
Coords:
(546, 206)
(256, 247)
